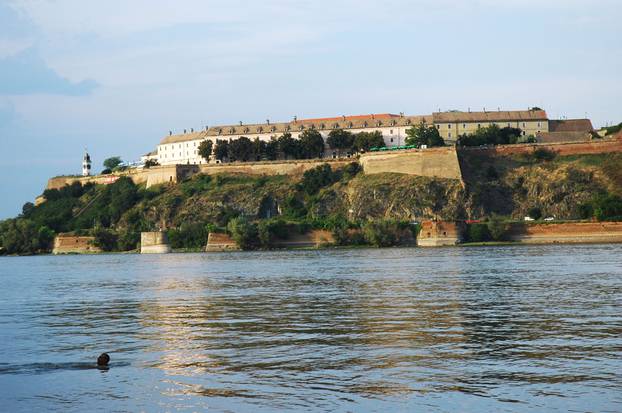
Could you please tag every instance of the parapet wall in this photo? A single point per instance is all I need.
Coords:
(71, 244)
(567, 232)
(273, 167)
(561, 148)
(432, 162)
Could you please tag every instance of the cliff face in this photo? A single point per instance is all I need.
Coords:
(503, 185)
(511, 185)
(362, 197)
(402, 197)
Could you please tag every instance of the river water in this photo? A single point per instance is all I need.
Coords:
(517, 329)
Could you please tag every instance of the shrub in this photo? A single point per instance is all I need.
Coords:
(105, 239)
(497, 228)
(542, 154)
(478, 233)
(190, 235)
(243, 232)
(381, 233)
(315, 179)
(534, 213)
(269, 230)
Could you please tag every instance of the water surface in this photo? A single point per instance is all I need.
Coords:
(526, 329)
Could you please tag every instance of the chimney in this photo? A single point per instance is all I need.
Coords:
(206, 128)
(469, 110)
(191, 129)
(498, 109)
(268, 121)
(484, 110)
(372, 116)
(184, 131)
(344, 117)
(401, 114)
(240, 123)
(295, 119)
(170, 133)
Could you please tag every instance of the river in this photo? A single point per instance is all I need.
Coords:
(511, 328)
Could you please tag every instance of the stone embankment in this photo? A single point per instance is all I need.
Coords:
(155, 242)
(440, 233)
(566, 233)
(73, 244)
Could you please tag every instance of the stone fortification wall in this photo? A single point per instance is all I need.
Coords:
(272, 167)
(151, 176)
(440, 233)
(561, 148)
(432, 162)
(567, 232)
(71, 244)
(154, 243)
(217, 242)
(311, 239)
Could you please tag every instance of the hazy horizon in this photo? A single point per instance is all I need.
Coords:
(116, 76)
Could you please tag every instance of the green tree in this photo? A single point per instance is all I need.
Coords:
(288, 146)
(221, 151)
(535, 213)
(112, 162)
(311, 144)
(424, 135)
(315, 179)
(259, 149)
(205, 149)
(340, 139)
(497, 228)
(382, 233)
(105, 239)
(364, 141)
(243, 232)
(241, 149)
(271, 150)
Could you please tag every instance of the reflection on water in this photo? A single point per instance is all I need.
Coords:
(503, 329)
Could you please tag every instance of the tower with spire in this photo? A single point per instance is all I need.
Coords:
(86, 164)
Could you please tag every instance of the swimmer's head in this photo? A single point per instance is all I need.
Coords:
(103, 359)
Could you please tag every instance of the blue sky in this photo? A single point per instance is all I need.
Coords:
(114, 76)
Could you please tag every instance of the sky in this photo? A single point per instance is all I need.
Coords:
(114, 76)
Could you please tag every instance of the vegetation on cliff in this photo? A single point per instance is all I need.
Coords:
(376, 209)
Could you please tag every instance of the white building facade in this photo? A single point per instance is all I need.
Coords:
(184, 148)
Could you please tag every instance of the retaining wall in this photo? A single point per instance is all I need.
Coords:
(561, 148)
(154, 243)
(72, 244)
(567, 232)
(432, 162)
(440, 233)
(217, 242)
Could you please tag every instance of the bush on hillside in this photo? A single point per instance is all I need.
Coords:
(243, 232)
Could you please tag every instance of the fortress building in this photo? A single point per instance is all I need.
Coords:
(183, 148)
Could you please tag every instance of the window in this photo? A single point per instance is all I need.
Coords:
(449, 126)
(539, 124)
(523, 124)
(391, 139)
(464, 126)
(449, 135)
(391, 132)
(479, 125)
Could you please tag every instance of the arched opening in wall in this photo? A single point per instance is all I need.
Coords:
(444, 233)
(170, 179)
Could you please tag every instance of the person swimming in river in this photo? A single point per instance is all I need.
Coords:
(103, 360)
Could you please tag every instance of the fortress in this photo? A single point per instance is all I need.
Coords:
(183, 148)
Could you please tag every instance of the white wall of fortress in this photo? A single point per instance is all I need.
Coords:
(187, 152)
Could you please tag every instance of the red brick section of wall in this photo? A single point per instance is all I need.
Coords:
(71, 244)
(570, 148)
(220, 242)
(567, 232)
